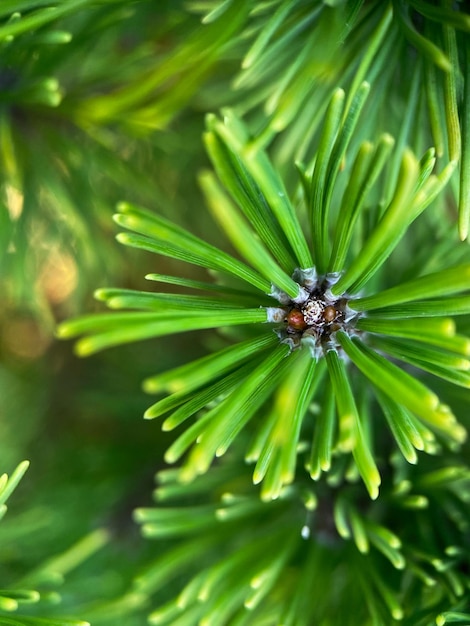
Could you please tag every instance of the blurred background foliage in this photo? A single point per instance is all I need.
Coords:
(68, 153)
(104, 100)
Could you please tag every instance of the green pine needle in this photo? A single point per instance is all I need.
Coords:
(312, 313)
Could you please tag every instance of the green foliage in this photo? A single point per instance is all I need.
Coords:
(248, 562)
(318, 407)
(63, 164)
(38, 587)
(233, 395)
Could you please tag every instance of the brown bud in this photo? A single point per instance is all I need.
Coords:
(296, 320)
(329, 313)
